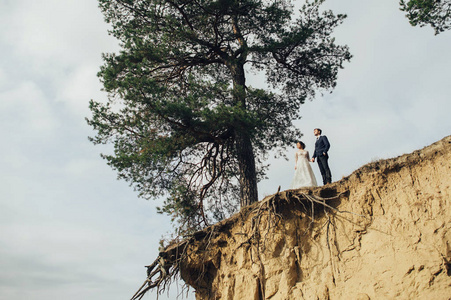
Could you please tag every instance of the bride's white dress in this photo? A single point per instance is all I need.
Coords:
(303, 175)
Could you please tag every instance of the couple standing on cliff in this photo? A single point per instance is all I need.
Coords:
(303, 175)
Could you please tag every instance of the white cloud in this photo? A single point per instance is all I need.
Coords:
(58, 44)
(24, 109)
(78, 87)
(55, 31)
(68, 228)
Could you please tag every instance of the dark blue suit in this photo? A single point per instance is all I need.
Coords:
(322, 145)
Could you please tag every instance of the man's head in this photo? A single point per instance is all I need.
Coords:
(317, 132)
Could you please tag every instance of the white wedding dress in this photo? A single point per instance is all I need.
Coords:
(303, 175)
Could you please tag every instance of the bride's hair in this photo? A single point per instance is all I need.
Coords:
(302, 144)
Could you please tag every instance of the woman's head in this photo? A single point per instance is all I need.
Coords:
(300, 145)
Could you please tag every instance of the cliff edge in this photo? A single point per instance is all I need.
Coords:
(381, 233)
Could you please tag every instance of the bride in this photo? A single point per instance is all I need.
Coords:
(303, 174)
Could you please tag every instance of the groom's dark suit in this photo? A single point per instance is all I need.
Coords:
(321, 147)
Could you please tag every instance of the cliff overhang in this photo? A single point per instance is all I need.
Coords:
(381, 233)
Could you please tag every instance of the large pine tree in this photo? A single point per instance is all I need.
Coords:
(183, 120)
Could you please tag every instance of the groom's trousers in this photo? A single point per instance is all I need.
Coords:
(324, 168)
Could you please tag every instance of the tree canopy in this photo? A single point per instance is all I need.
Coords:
(436, 13)
(183, 121)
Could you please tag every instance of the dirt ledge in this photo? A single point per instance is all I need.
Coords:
(382, 232)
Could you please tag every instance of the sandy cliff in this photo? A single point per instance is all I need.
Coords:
(381, 233)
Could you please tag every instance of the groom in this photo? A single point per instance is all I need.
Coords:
(321, 147)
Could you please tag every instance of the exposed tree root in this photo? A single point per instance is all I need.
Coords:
(163, 269)
(167, 265)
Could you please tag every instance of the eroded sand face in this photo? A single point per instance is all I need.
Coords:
(391, 240)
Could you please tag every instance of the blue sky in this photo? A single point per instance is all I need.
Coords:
(69, 229)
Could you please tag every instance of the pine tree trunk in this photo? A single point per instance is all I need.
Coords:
(248, 176)
(244, 149)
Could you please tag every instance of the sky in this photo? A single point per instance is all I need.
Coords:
(69, 229)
